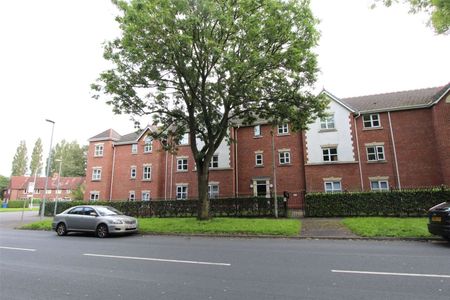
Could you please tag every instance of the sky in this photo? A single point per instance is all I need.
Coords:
(51, 51)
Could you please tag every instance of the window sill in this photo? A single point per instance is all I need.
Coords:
(372, 128)
(377, 161)
(283, 134)
(182, 171)
(95, 180)
(327, 130)
(98, 156)
(259, 166)
(285, 165)
(257, 136)
(147, 152)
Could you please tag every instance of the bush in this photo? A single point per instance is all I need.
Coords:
(411, 203)
(225, 207)
(20, 203)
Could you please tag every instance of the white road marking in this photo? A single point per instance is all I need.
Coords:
(391, 274)
(20, 249)
(160, 259)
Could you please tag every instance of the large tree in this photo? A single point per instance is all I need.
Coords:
(4, 183)
(72, 157)
(20, 160)
(439, 11)
(36, 163)
(197, 66)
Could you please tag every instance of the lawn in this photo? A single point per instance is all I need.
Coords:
(237, 226)
(388, 227)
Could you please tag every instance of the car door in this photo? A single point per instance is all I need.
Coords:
(89, 220)
(74, 218)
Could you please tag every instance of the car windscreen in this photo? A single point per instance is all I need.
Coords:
(108, 211)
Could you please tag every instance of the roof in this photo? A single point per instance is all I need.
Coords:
(397, 100)
(65, 183)
(106, 135)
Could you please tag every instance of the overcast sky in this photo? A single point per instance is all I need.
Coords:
(51, 51)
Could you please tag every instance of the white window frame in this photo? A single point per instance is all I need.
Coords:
(214, 163)
(326, 153)
(134, 148)
(96, 174)
(98, 150)
(147, 172)
(182, 164)
(259, 159)
(332, 184)
(327, 122)
(133, 172)
(257, 131)
(146, 196)
(94, 196)
(283, 129)
(213, 190)
(148, 144)
(377, 153)
(371, 120)
(284, 157)
(132, 196)
(182, 192)
(379, 183)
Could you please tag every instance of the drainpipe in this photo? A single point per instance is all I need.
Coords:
(395, 152)
(275, 202)
(236, 173)
(165, 179)
(359, 154)
(171, 177)
(112, 173)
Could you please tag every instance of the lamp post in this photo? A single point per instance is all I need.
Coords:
(57, 186)
(48, 168)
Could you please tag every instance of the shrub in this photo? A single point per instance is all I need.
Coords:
(414, 203)
(20, 203)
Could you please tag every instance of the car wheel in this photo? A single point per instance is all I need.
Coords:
(61, 229)
(102, 231)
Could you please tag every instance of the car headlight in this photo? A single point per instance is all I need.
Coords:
(116, 222)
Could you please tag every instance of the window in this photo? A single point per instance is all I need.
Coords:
(134, 148)
(284, 157)
(147, 172)
(214, 163)
(185, 139)
(332, 186)
(68, 192)
(145, 195)
(133, 172)
(96, 174)
(327, 122)
(148, 144)
(371, 121)
(182, 164)
(182, 192)
(379, 185)
(375, 153)
(132, 196)
(257, 130)
(48, 192)
(259, 159)
(94, 196)
(330, 154)
(283, 129)
(98, 150)
(58, 192)
(213, 191)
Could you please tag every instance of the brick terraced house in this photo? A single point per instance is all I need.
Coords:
(370, 143)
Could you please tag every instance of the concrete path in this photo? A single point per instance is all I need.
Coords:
(15, 219)
(325, 227)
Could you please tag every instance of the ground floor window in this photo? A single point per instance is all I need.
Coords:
(94, 196)
(182, 192)
(379, 185)
(145, 195)
(213, 191)
(332, 186)
(132, 196)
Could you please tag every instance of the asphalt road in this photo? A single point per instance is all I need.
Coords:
(41, 265)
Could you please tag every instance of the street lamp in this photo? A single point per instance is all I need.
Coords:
(57, 186)
(48, 168)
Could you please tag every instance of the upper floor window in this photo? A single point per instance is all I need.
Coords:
(375, 153)
(182, 164)
(94, 196)
(147, 172)
(213, 191)
(371, 121)
(327, 122)
(96, 174)
(134, 148)
(259, 159)
(182, 192)
(257, 130)
(133, 172)
(148, 144)
(332, 186)
(98, 150)
(284, 157)
(330, 154)
(379, 185)
(145, 195)
(214, 163)
(132, 196)
(283, 129)
(185, 139)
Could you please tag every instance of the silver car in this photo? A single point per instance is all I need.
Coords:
(102, 220)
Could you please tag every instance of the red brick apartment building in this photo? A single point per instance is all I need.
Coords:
(57, 188)
(378, 142)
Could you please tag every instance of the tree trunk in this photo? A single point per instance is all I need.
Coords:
(203, 212)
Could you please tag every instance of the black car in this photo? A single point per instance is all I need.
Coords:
(439, 220)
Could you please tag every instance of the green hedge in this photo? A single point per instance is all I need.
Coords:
(414, 203)
(227, 207)
(19, 203)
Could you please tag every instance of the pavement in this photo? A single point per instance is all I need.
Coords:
(16, 219)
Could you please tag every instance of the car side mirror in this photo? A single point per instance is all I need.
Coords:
(93, 214)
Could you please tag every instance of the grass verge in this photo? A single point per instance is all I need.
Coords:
(283, 227)
(388, 227)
